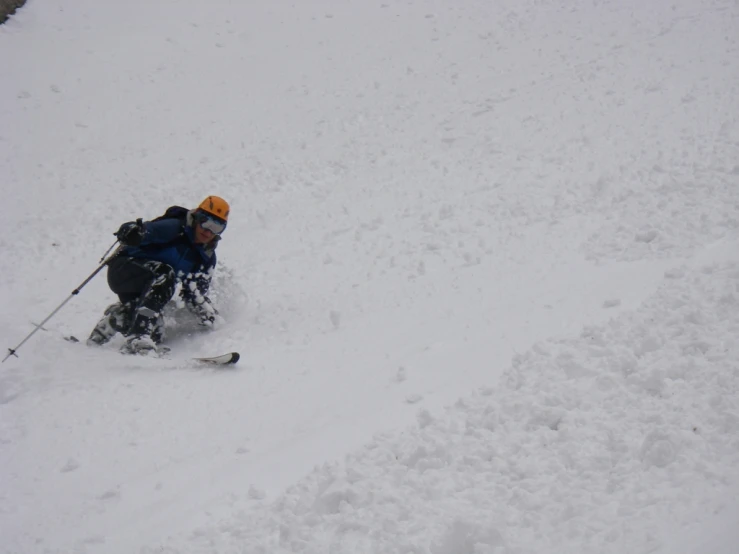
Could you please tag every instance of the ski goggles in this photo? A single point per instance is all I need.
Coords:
(209, 222)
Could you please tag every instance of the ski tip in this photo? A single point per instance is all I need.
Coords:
(226, 359)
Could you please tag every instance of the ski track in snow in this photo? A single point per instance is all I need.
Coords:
(482, 272)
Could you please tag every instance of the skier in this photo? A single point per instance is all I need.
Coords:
(178, 247)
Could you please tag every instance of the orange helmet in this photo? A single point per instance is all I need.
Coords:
(215, 205)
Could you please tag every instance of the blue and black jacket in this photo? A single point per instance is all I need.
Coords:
(172, 241)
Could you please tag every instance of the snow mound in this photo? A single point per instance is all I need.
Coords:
(592, 441)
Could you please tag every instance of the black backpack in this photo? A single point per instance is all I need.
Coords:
(173, 212)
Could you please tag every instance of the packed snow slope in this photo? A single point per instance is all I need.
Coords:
(482, 267)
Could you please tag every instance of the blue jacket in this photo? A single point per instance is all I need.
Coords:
(172, 242)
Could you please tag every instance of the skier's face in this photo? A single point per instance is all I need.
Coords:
(203, 236)
(207, 226)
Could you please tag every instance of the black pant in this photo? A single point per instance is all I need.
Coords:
(141, 283)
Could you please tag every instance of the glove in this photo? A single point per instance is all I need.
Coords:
(131, 234)
(206, 313)
(207, 321)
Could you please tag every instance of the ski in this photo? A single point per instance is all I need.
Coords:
(224, 359)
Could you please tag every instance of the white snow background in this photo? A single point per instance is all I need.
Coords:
(482, 267)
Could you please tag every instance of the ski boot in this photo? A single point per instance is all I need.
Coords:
(116, 319)
(139, 344)
(146, 334)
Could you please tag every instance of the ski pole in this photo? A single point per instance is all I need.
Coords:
(104, 261)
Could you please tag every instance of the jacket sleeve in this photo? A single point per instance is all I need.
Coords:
(194, 292)
(195, 286)
(162, 231)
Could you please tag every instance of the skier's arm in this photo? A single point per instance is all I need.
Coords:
(138, 233)
(195, 294)
(162, 231)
